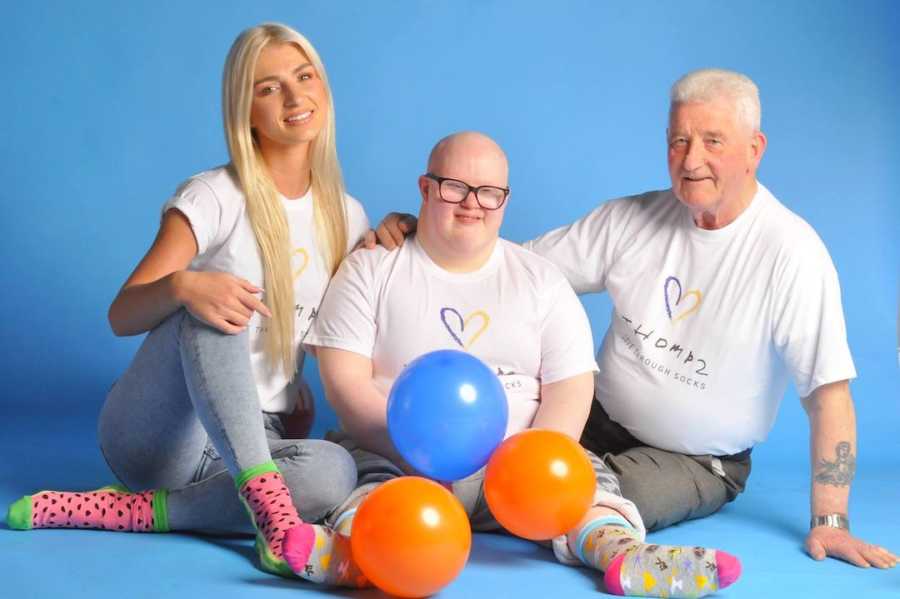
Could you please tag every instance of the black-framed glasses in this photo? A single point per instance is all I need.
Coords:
(454, 191)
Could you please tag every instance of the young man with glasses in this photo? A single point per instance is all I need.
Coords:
(457, 285)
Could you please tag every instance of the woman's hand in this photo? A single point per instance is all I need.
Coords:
(219, 299)
(161, 284)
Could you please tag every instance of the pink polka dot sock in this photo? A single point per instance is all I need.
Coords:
(268, 501)
(109, 508)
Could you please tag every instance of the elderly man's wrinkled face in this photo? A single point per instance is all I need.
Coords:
(712, 155)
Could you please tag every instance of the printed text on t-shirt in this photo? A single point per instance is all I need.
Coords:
(688, 366)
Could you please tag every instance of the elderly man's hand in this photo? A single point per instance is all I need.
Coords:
(394, 228)
(391, 232)
(824, 541)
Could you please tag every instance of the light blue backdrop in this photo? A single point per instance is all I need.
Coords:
(108, 106)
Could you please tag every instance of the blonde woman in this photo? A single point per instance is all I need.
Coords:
(227, 291)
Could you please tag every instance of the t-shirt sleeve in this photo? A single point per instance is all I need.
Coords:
(809, 330)
(199, 203)
(346, 317)
(357, 222)
(583, 251)
(567, 346)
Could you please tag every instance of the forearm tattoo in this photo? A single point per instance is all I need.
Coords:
(840, 472)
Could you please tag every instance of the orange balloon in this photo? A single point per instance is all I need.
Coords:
(411, 537)
(539, 484)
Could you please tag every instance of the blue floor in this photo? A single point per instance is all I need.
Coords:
(764, 527)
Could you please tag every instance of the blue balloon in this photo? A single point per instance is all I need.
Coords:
(446, 414)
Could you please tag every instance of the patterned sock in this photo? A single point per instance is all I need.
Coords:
(329, 562)
(638, 569)
(268, 501)
(109, 508)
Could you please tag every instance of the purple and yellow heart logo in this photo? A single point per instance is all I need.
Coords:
(460, 329)
(673, 295)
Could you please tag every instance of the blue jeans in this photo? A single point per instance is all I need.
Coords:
(185, 416)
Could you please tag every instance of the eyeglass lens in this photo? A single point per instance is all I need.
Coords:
(456, 191)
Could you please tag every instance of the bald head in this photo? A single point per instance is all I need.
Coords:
(467, 148)
(455, 229)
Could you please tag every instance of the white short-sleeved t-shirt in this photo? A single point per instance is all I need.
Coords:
(708, 325)
(517, 314)
(214, 205)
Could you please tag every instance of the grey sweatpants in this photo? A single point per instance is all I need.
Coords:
(667, 487)
(374, 469)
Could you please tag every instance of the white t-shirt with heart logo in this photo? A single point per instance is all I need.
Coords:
(708, 325)
(516, 313)
(214, 204)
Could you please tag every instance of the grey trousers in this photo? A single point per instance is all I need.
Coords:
(374, 469)
(667, 487)
(185, 416)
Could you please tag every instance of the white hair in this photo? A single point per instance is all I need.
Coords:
(706, 85)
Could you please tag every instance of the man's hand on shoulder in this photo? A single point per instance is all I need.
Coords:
(825, 541)
(391, 232)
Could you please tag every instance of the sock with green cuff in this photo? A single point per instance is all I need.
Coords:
(268, 501)
(313, 552)
(110, 508)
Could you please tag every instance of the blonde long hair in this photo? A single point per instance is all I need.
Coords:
(267, 216)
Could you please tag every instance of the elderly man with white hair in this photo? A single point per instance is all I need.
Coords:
(721, 296)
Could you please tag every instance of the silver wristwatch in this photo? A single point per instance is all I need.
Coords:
(832, 520)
